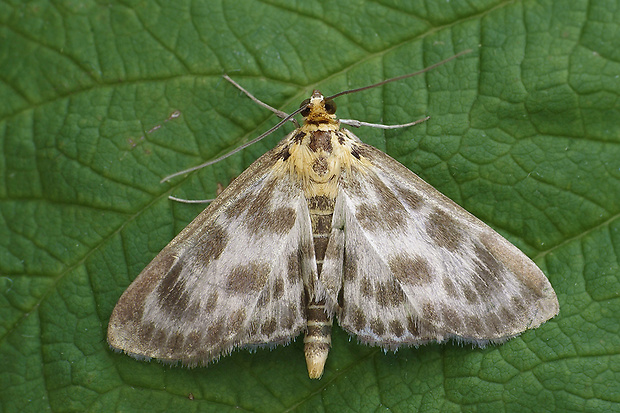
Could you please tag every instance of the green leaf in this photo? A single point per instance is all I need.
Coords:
(100, 100)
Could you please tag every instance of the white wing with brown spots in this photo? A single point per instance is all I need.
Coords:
(233, 277)
(417, 267)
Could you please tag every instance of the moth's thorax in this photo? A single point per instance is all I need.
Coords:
(318, 151)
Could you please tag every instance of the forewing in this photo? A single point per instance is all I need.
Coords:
(418, 267)
(232, 277)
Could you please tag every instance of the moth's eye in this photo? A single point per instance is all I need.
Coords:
(330, 106)
(306, 111)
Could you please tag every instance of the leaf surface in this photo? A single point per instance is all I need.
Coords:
(102, 100)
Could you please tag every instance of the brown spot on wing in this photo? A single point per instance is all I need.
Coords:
(412, 326)
(366, 288)
(268, 327)
(410, 270)
(480, 286)
(193, 340)
(237, 319)
(264, 299)
(213, 243)
(452, 320)
(285, 219)
(448, 285)
(508, 315)
(412, 199)
(192, 312)
(494, 325)
(389, 294)
(215, 332)
(350, 267)
(470, 295)
(158, 340)
(444, 230)
(382, 296)
(396, 328)
(519, 305)
(172, 294)
(289, 317)
(248, 279)
(358, 320)
(386, 213)
(396, 294)
(377, 326)
(278, 288)
(293, 268)
(354, 187)
(429, 313)
(253, 328)
(489, 269)
(474, 327)
(175, 345)
(368, 216)
(145, 332)
(172, 276)
(211, 303)
(260, 217)
(240, 205)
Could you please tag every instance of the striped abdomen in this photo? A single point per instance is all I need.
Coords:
(319, 325)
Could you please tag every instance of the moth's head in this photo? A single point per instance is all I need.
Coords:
(318, 109)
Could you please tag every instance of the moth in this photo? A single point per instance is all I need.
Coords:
(324, 226)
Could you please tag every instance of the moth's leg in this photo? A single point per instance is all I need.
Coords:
(358, 123)
(190, 201)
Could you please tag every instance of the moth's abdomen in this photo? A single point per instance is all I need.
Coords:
(318, 339)
(319, 324)
(321, 214)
